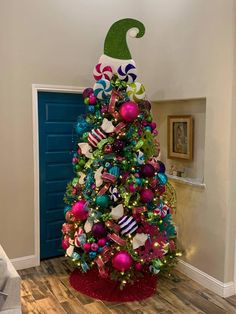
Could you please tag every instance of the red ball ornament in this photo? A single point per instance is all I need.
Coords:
(107, 149)
(102, 242)
(146, 195)
(122, 261)
(138, 266)
(79, 211)
(99, 230)
(87, 247)
(65, 243)
(129, 111)
(147, 171)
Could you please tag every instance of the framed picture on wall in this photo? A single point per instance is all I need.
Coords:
(180, 137)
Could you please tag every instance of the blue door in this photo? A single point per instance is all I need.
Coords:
(57, 114)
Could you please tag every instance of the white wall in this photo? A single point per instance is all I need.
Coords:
(187, 52)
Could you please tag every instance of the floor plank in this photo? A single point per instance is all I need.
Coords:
(46, 289)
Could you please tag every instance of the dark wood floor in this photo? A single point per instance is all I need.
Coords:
(46, 289)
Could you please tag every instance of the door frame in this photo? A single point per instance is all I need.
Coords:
(35, 89)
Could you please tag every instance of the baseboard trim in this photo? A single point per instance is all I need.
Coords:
(25, 262)
(222, 289)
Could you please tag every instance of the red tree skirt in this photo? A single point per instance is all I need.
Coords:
(92, 285)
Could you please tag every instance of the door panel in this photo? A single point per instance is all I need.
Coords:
(58, 113)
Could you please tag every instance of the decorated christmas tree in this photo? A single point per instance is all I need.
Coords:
(120, 203)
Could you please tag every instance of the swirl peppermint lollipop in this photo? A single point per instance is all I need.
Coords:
(102, 70)
(127, 72)
(135, 91)
(102, 88)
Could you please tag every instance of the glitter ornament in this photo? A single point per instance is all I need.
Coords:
(99, 230)
(102, 201)
(87, 92)
(147, 171)
(118, 146)
(146, 195)
(79, 210)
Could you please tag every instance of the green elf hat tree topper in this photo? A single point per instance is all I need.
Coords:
(117, 60)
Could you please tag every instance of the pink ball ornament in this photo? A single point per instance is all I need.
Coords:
(92, 99)
(122, 261)
(129, 111)
(87, 247)
(102, 242)
(79, 211)
(65, 243)
(94, 247)
(132, 188)
(138, 266)
(146, 195)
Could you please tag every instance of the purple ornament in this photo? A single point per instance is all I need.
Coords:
(129, 111)
(94, 247)
(146, 195)
(161, 167)
(146, 105)
(122, 261)
(87, 92)
(118, 146)
(147, 171)
(99, 230)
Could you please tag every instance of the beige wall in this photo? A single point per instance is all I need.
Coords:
(197, 109)
(187, 52)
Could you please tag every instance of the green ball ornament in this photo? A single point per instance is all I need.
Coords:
(86, 101)
(149, 118)
(82, 162)
(85, 136)
(77, 167)
(102, 201)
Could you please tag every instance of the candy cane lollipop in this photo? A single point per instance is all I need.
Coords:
(127, 72)
(102, 88)
(102, 70)
(135, 91)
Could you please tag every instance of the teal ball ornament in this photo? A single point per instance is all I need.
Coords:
(66, 209)
(92, 255)
(102, 201)
(162, 178)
